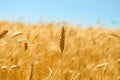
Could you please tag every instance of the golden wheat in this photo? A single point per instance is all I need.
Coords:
(36, 52)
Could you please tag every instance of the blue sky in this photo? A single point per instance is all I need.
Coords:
(86, 12)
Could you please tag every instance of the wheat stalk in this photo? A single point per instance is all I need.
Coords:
(62, 44)
(31, 72)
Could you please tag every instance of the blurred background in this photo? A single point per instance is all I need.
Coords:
(83, 12)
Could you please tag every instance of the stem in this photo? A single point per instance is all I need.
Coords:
(31, 72)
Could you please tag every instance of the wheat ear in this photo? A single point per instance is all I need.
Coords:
(25, 46)
(115, 35)
(62, 39)
(3, 33)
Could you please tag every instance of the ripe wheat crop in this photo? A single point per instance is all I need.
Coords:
(47, 52)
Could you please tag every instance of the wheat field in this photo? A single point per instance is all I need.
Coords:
(46, 51)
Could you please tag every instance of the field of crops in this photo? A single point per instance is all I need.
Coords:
(46, 51)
